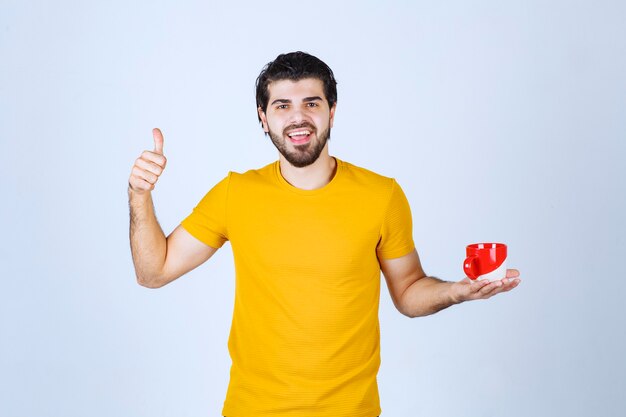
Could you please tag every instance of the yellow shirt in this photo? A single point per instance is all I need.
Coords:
(305, 337)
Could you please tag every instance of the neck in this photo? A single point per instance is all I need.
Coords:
(311, 177)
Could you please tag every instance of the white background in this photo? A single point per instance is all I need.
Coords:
(502, 121)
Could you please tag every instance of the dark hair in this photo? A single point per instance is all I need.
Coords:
(295, 66)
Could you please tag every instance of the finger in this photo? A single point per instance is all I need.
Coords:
(512, 273)
(488, 289)
(158, 140)
(149, 166)
(144, 175)
(156, 158)
(478, 284)
(473, 282)
(509, 284)
(139, 184)
(473, 288)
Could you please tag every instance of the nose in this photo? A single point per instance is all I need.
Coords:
(296, 116)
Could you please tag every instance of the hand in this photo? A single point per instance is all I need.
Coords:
(148, 167)
(467, 289)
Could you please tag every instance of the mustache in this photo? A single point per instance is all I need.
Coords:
(300, 126)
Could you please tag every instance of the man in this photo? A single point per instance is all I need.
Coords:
(310, 235)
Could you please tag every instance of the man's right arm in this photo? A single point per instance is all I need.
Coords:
(158, 260)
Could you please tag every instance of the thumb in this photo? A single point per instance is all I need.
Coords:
(158, 140)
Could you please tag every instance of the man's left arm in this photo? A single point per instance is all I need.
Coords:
(414, 294)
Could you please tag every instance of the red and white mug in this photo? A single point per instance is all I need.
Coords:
(485, 261)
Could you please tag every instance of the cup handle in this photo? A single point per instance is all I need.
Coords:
(468, 267)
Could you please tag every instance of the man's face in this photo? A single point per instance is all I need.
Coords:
(298, 119)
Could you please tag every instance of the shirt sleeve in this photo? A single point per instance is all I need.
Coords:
(396, 233)
(207, 222)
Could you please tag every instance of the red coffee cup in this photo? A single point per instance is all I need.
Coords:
(485, 261)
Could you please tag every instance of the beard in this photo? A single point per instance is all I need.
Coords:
(305, 154)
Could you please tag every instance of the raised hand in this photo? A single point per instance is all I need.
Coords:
(148, 167)
(466, 289)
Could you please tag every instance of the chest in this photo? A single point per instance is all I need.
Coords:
(306, 234)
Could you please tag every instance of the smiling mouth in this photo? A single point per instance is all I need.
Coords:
(300, 136)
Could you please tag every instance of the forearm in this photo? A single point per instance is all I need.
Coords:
(426, 296)
(147, 241)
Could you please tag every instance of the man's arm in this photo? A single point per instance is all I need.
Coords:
(414, 294)
(158, 260)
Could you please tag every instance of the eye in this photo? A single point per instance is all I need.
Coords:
(312, 104)
(281, 106)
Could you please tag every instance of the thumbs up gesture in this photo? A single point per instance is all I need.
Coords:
(148, 167)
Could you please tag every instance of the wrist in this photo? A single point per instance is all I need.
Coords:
(135, 192)
(454, 294)
(139, 198)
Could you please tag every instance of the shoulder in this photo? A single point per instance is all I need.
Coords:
(253, 175)
(253, 181)
(366, 177)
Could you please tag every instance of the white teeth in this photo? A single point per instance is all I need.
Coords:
(300, 133)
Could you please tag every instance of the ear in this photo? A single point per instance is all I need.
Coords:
(263, 119)
(332, 114)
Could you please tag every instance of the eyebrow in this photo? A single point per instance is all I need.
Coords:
(305, 100)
